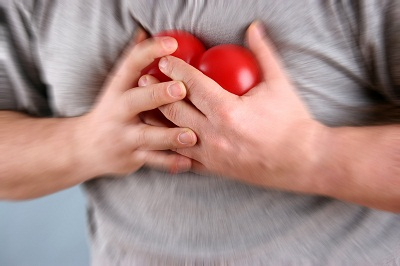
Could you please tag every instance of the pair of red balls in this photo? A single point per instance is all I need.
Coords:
(233, 67)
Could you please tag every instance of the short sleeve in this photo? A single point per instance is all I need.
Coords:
(21, 86)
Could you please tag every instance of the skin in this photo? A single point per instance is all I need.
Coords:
(45, 155)
(269, 138)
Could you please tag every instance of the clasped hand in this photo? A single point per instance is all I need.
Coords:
(265, 137)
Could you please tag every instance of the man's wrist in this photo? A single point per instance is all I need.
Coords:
(80, 158)
(316, 171)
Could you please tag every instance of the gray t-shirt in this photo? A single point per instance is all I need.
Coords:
(343, 56)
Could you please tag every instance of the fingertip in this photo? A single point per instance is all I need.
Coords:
(255, 34)
(147, 80)
(182, 165)
(177, 90)
(187, 137)
(163, 63)
(143, 81)
(265, 52)
(169, 44)
(257, 28)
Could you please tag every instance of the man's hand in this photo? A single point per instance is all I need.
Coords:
(45, 155)
(113, 139)
(264, 137)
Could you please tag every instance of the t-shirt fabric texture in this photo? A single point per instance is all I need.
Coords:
(344, 58)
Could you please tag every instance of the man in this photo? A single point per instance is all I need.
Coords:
(293, 172)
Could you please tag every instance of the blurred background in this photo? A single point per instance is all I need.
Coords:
(49, 231)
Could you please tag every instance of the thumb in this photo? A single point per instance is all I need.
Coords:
(263, 49)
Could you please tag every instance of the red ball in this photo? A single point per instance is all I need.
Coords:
(233, 67)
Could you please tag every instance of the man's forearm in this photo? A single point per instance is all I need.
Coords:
(37, 156)
(362, 165)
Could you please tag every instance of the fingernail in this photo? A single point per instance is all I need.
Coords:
(176, 89)
(163, 62)
(185, 138)
(142, 81)
(258, 26)
(169, 43)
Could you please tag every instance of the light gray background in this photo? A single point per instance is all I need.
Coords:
(44, 232)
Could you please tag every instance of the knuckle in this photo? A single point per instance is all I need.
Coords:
(148, 49)
(225, 113)
(155, 95)
(171, 140)
(171, 111)
(141, 138)
(222, 145)
(190, 81)
(128, 101)
(171, 66)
